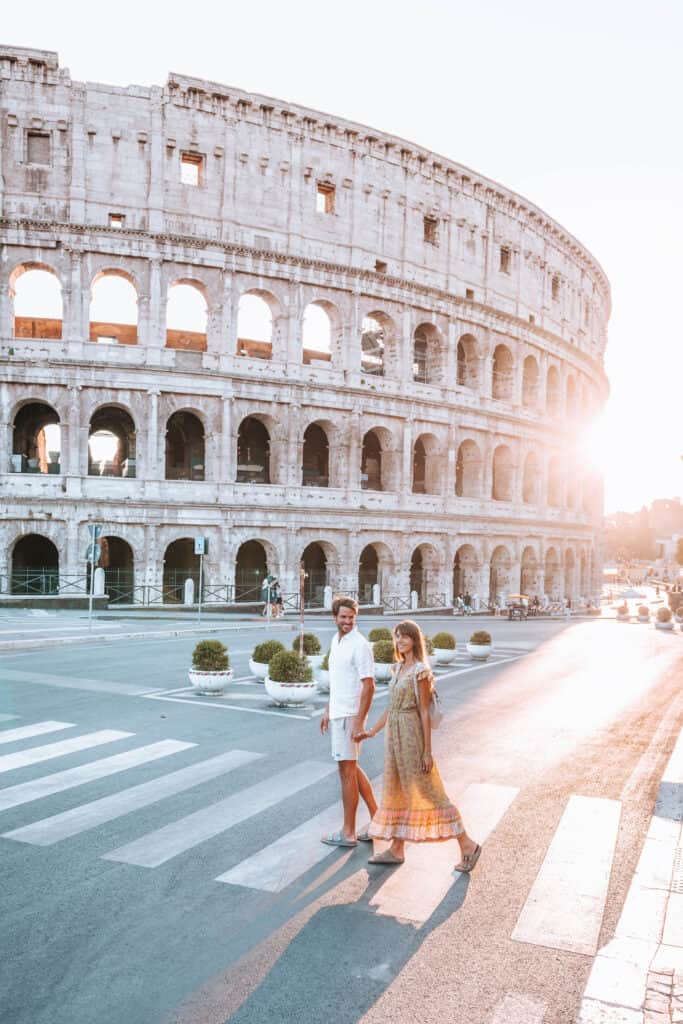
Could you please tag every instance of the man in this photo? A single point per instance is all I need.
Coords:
(352, 687)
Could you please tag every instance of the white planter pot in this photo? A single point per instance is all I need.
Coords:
(382, 672)
(209, 682)
(444, 655)
(286, 694)
(322, 678)
(479, 652)
(258, 669)
(664, 625)
(623, 618)
(315, 660)
(643, 618)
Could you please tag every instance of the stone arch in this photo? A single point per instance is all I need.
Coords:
(427, 465)
(378, 461)
(118, 561)
(315, 458)
(378, 345)
(37, 305)
(321, 332)
(427, 354)
(185, 455)
(531, 479)
(251, 568)
(253, 451)
(466, 568)
(569, 573)
(585, 575)
(36, 439)
(114, 307)
(187, 314)
(258, 316)
(503, 374)
(502, 486)
(111, 442)
(180, 564)
(469, 470)
(376, 565)
(530, 381)
(528, 579)
(555, 482)
(553, 392)
(553, 581)
(468, 362)
(425, 566)
(320, 562)
(34, 565)
(500, 574)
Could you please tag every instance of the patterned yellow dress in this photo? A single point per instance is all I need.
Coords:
(414, 803)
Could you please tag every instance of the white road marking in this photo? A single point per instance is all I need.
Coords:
(35, 789)
(518, 1009)
(8, 718)
(97, 812)
(38, 729)
(226, 707)
(162, 845)
(75, 683)
(565, 905)
(34, 755)
(414, 891)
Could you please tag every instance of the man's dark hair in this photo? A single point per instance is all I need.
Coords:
(344, 602)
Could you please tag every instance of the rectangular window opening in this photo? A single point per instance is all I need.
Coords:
(191, 168)
(380, 267)
(324, 199)
(469, 293)
(431, 230)
(532, 318)
(504, 259)
(555, 288)
(116, 220)
(38, 148)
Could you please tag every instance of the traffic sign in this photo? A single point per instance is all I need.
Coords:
(93, 553)
(200, 545)
(95, 530)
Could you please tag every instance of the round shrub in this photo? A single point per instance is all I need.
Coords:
(311, 645)
(325, 663)
(429, 645)
(288, 667)
(444, 641)
(379, 633)
(664, 614)
(383, 651)
(210, 656)
(480, 638)
(643, 610)
(264, 652)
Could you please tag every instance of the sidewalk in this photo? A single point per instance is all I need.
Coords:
(637, 978)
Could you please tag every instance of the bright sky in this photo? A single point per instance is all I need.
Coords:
(576, 106)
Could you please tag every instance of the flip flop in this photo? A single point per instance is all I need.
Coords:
(363, 837)
(386, 858)
(468, 861)
(338, 839)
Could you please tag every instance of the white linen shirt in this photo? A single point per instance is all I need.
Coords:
(350, 661)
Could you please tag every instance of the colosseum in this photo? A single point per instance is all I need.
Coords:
(307, 341)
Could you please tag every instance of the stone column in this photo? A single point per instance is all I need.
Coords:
(76, 453)
(76, 303)
(487, 469)
(406, 481)
(451, 456)
(295, 326)
(155, 192)
(227, 471)
(154, 336)
(291, 453)
(6, 427)
(353, 448)
(152, 470)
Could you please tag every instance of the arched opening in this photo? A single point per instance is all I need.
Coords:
(371, 463)
(424, 575)
(468, 470)
(254, 327)
(554, 483)
(253, 452)
(113, 309)
(184, 447)
(316, 457)
(251, 568)
(530, 375)
(180, 564)
(569, 574)
(552, 574)
(502, 482)
(35, 566)
(377, 332)
(503, 382)
(531, 478)
(529, 572)
(572, 399)
(426, 465)
(316, 576)
(465, 572)
(468, 362)
(553, 394)
(118, 562)
(37, 296)
(499, 575)
(419, 467)
(186, 317)
(368, 574)
(36, 440)
(111, 443)
(427, 354)
(316, 334)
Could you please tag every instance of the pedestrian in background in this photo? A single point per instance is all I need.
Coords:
(352, 687)
(414, 807)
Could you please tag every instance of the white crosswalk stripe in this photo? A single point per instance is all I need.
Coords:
(34, 755)
(25, 732)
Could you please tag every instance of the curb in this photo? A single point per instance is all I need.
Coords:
(108, 638)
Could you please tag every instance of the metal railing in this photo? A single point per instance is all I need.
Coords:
(396, 603)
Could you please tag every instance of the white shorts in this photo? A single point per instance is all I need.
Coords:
(344, 747)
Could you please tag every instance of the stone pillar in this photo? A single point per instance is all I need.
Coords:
(295, 326)
(291, 451)
(151, 471)
(289, 570)
(155, 192)
(227, 471)
(154, 336)
(451, 456)
(351, 334)
(75, 445)
(406, 481)
(76, 302)
(486, 375)
(404, 348)
(487, 469)
(75, 547)
(353, 449)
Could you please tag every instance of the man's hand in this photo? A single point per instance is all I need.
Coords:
(358, 725)
(325, 721)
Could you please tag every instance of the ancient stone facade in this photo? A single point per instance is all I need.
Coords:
(428, 444)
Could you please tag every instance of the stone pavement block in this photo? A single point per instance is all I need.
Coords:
(668, 958)
(673, 925)
(655, 865)
(643, 914)
(595, 1012)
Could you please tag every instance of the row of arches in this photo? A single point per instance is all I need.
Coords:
(35, 569)
(113, 318)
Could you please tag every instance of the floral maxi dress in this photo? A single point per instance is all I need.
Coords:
(414, 804)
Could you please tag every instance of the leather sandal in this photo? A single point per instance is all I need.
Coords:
(386, 858)
(468, 861)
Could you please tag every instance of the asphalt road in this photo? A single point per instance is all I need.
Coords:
(113, 911)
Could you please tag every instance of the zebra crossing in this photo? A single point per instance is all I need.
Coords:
(578, 859)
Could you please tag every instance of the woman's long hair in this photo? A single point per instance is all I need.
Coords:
(411, 629)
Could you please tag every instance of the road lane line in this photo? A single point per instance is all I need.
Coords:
(47, 785)
(163, 844)
(565, 905)
(34, 755)
(97, 812)
(8, 718)
(226, 707)
(38, 729)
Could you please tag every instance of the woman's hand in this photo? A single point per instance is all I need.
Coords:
(367, 734)
(427, 762)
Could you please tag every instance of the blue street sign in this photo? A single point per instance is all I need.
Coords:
(95, 530)
(93, 553)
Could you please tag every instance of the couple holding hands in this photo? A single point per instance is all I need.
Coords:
(414, 807)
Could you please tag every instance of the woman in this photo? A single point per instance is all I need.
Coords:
(414, 805)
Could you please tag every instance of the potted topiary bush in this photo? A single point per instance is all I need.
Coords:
(379, 633)
(643, 613)
(262, 655)
(444, 648)
(664, 619)
(290, 679)
(210, 672)
(312, 649)
(622, 613)
(479, 645)
(322, 676)
(383, 652)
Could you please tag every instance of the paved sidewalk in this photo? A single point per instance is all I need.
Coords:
(637, 978)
